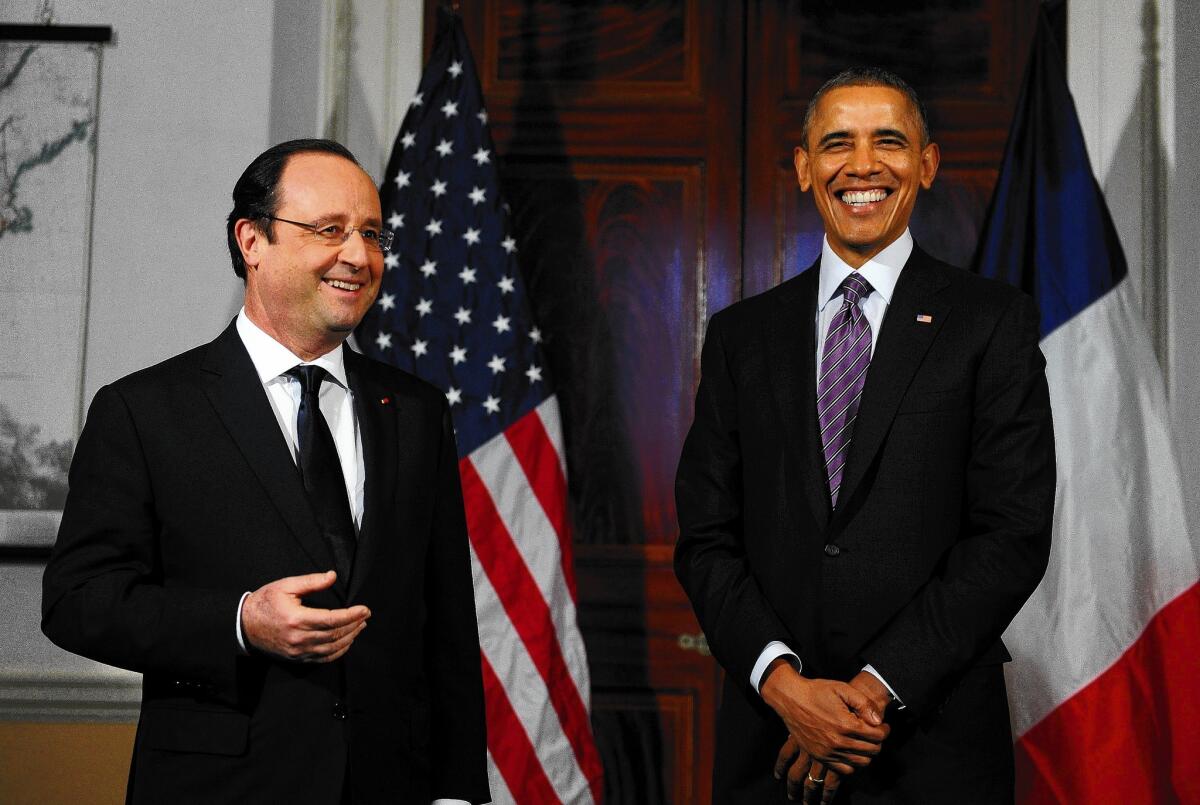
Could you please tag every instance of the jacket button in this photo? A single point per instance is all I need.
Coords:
(339, 712)
(832, 550)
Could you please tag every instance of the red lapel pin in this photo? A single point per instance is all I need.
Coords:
(385, 401)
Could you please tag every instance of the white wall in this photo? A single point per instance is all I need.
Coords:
(190, 93)
(1132, 67)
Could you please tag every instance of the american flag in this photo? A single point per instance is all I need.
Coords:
(453, 310)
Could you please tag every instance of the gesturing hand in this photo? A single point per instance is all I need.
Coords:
(833, 722)
(275, 620)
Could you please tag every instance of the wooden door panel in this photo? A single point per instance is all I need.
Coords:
(612, 254)
(608, 49)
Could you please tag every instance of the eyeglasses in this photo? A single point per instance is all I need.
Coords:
(336, 234)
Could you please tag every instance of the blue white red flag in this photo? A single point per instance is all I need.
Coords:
(1104, 685)
(452, 309)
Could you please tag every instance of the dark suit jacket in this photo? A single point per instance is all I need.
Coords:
(941, 533)
(183, 495)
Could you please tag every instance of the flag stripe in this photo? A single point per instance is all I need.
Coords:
(1139, 720)
(527, 609)
(509, 746)
(533, 449)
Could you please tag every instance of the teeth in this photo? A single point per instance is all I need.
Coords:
(345, 286)
(857, 197)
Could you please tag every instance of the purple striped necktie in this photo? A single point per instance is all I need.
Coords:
(843, 373)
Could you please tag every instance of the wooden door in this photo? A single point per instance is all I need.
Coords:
(646, 155)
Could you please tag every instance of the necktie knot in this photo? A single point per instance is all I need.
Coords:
(310, 377)
(854, 288)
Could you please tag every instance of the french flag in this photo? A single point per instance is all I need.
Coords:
(1104, 686)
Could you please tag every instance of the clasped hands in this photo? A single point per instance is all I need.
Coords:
(275, 620)
(833, 728)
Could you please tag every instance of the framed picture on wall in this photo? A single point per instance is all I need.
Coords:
(49, 101)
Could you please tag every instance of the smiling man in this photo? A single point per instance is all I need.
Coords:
(865, 495)
(240, 513)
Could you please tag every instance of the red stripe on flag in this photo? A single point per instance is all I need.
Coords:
(1133, 734)
(509, 744)
(532, 446)
(530, 615)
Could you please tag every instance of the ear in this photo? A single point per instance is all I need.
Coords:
(931, 157)
(800, 160)
(250, 240)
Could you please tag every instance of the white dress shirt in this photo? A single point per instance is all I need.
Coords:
(883, 272)
(271, 361)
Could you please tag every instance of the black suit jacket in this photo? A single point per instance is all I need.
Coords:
(941, 533)
(183, 495)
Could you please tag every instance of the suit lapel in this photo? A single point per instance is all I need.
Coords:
(232, 386)
(377, 408)
(791, 347)
(901, 347)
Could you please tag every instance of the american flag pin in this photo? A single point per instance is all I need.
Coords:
(924, 318)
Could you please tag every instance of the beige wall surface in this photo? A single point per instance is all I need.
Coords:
(64, 764)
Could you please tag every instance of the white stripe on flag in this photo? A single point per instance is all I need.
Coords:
(527, 691)
(1120, 545)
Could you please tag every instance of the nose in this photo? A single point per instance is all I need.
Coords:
(354, 251)
(862, 159)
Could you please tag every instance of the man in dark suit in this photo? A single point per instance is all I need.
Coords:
(865, 495)
(238, 514)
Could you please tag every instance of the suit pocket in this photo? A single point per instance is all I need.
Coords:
(213, 732)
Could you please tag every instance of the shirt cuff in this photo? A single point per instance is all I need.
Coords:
(241, 639)
(774, 650)
(870, 669)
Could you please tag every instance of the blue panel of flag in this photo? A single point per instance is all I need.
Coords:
(1048, 230)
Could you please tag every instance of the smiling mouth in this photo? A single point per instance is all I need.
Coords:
(344, 285)
(861, 198)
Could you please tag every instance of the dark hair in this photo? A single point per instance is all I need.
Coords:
(256, 194)
(866, 77)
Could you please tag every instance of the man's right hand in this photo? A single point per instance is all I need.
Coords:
(275, 620)
(833, 722)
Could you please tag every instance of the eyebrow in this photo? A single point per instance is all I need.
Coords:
(342, 218)
(845, 135)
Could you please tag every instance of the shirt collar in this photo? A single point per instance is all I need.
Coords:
(271, 358)
(882, 270)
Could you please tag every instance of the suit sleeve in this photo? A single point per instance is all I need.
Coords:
(998, 560)
(459, 732)
(710, 556)
(103, 595)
